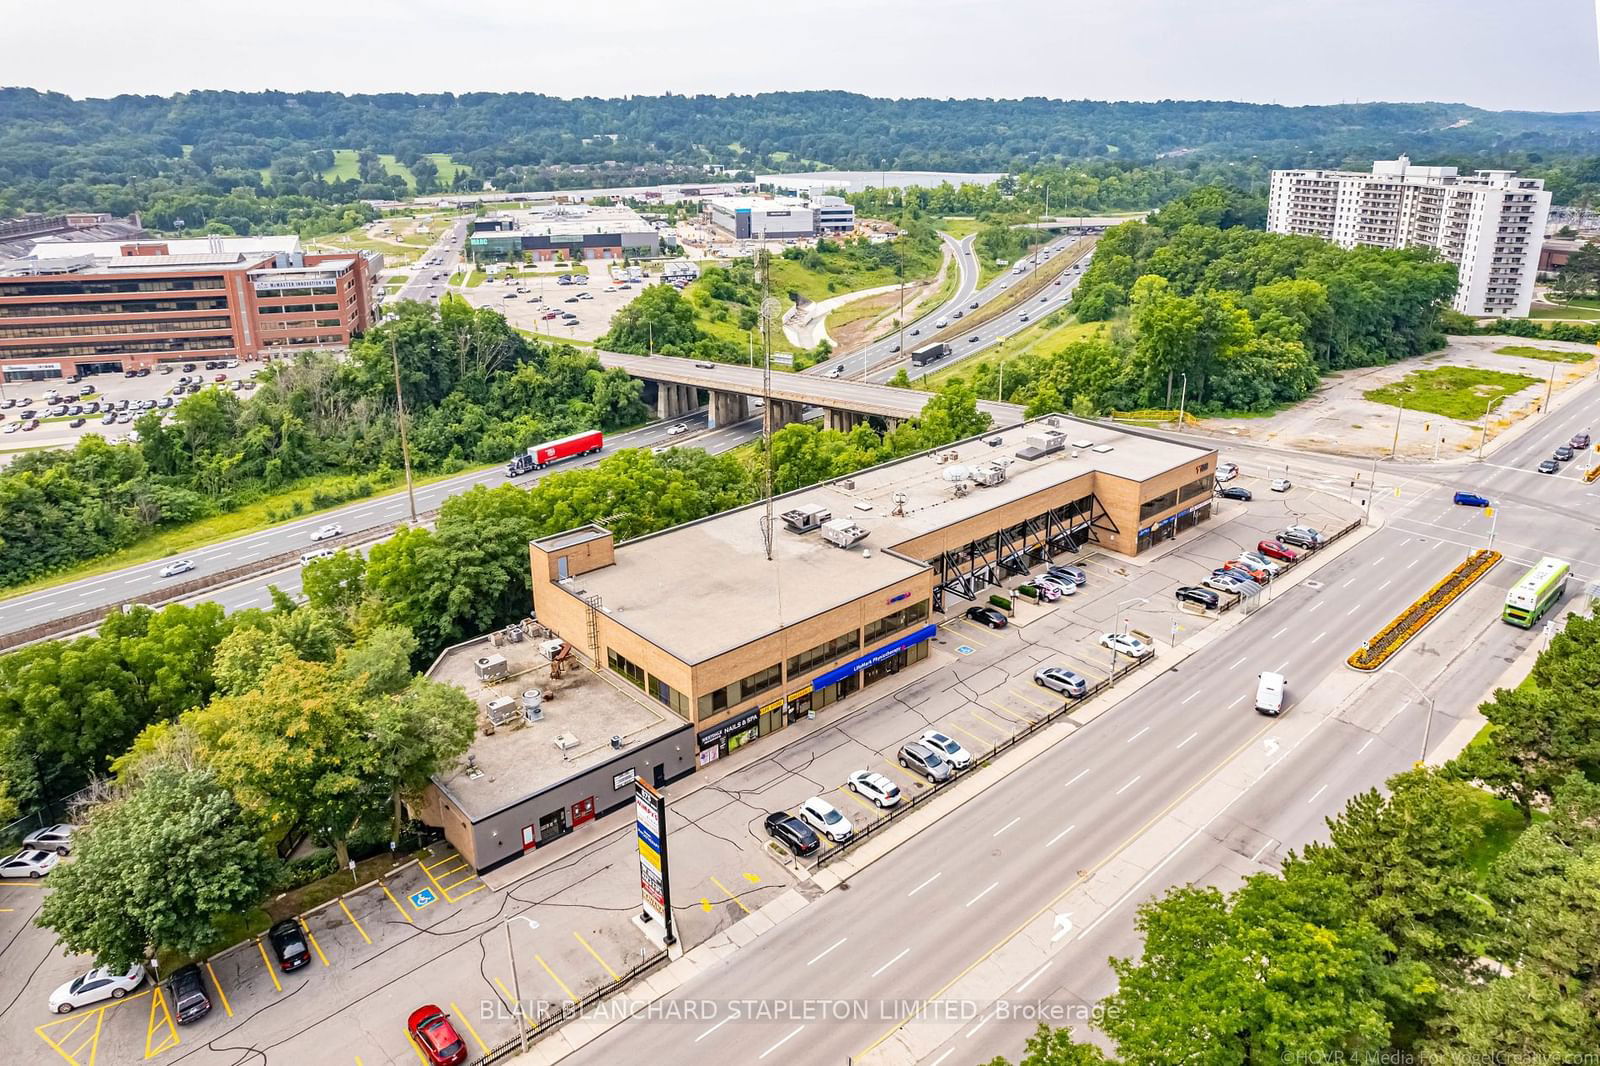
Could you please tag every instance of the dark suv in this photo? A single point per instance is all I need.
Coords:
(188, 991)
(792, 833)
(289, 944)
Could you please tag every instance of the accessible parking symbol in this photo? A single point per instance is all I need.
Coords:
(421, 899)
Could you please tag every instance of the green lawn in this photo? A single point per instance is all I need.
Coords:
(1039, 335)
(958, 226)
(358, 241)
(394, 166)
(1573, 312)
(447, 167)
(346, 165)
(842, 276)
(1552, 355)
(1499, 819)
(869, 308)
(1453, 391)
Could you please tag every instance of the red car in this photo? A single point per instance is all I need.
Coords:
(1274, 550)
(220, 377)
(1257, 575)
(430, 1028)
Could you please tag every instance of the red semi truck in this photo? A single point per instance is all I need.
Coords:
(542, 455)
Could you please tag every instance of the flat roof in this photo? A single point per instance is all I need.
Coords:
(54, 248)
(521, 759)
(718, 566)
(760, 203)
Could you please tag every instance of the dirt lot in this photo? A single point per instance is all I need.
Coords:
(1338, 419)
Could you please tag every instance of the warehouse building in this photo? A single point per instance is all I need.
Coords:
(700, 620)
(564, 232)
(757, 218)
(77, 308)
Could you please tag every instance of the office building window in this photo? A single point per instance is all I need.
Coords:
(743, 689)
(667, 694)
(622, 666)
(893, 623)
(824, 652)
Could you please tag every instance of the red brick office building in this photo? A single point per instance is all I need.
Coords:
(86, 308)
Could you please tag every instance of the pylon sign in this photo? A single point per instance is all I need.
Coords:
(650, 816)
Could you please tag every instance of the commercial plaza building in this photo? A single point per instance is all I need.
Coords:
(568, 231)
(1490, 224)
(699, 619)
(757, 217)
(85, 308)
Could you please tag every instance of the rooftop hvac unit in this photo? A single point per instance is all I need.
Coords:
(848, 484)
(566, 741)
(961, 489)
(1047, 442)
(501, 709)
(807, 517)
(492, 668)
(843, 533)
(988, 474)
(549, 648)
(533, 705)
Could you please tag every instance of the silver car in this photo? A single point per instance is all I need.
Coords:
(1060, 679)
(1075, 574)
(56, 838)
(925, 761)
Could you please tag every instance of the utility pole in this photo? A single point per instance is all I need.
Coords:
(1395, 447)
(405, 445)
(769, 310)
(1372, 490)
(1549, 386)
(1183, 398)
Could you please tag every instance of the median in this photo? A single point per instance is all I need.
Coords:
(1392, 637)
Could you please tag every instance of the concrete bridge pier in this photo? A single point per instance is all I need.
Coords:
(727, 408)
(674, 401)
(843, 421)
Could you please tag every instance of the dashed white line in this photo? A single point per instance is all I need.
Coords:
(1365, 746)
(1352, 610)
(1140, 733)
(1319, 636)
(1352, 581)
(1385, 585)
(713, 1029)
(1317, 793)
(827, 949)
(1129, 785)
(924, 885)
(1008, 825)
(1186, 740)
(782, 1042)
(904, 952)
(976, 898)
(1316, 606)
(1236, 662)
(1279, 633)
(1075, 777)
(1414, 562)
(1379, 560)
(981, 1023)
(946, 1055)
(1023, 987)
(1059, 835)
(1236, 702)
(1262, 848)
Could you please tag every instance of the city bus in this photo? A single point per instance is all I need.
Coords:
(1536, 592)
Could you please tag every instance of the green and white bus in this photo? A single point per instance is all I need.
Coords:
(1536, 592)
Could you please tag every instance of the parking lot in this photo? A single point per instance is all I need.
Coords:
(594, 302)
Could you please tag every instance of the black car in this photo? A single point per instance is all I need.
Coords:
(987, 616)
(1233, 492)
(792, 833)
(76, 422)
(1203, 596)
(1549, 466)
(972, 339)
(187, 990)
(1563, 453)
(1296, 540)
(289, 944)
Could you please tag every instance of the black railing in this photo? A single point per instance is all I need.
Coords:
(569, 1010)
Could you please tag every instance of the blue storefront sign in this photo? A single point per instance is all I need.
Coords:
(872, 658)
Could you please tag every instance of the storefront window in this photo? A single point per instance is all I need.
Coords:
(893, 623)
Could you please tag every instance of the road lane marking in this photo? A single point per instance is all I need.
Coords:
(606, 966)
(1352, 581)
(1317, 606)
(1186, 740)
(713, 1029)
(1140, 733)
(169, 1039)
(891, 962)
(1236, 701)
(726, 892)
(1261, 849)
(1059, 835)
(981, 1023)
(823, 954)
(1189, 697)
(271, 970)
(1237, 662)
(980, 895)
(564, 989)
(461, 1016)
(1129, 785)
(785, 1040)
(924, 885)
(946, 1055)
(1365, 746)
(1008, 825)
(353, 922)
(1413, 562)
(1319, 636)
(1352, 610)
(218, 985)
(1379, 560)
(1075, 777)
(1279, 633)
(1023, 987)
(1317, 793)
(1385, 585)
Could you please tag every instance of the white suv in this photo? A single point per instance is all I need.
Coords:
(958, 756)
(879, 790)
(825, 818)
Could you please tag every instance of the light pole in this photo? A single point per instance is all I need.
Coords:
(1372, 490)
(1549, 385)
(1483, 423)
(1427, 728)
(1183, 397)
(516, 986)
(1395, 447)
(1123, 631)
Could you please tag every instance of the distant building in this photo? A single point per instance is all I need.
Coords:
(75, 307)
(1555, 252)
(1489, 224)
(834, 214)
(679, 271)
(566, 231)
(754, 218)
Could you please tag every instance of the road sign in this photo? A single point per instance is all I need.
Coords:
(421, 899)
(650, 819)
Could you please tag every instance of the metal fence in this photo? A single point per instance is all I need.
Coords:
(1256, 599)
(569, 1010)
(909, 804)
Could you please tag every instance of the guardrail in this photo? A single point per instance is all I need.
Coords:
(569, 1010)
(908, 804)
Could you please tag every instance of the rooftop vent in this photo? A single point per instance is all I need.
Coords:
(806, 517)
(566, 741)
(533, 705)
(491, 668)
(1101, 448)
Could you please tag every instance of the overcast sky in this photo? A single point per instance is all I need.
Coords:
(1498, 54)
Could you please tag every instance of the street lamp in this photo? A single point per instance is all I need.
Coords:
(516, 985)
(1123, 631)
(1427, 728)
(1395, 447)
(1483, 423)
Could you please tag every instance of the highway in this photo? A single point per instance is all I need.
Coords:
(448, 249)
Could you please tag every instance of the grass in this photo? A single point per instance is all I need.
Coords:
(448, 168)
(842, 277)
(1569, 312)
(346, 165)
(941, 296)
(958, 226)
(475, 279)
(1547, 354)
(394, 166)
(1499, 819)
(394, 285)
(358, 241)
(868, 308)
(1452, 391)
(1038, 336)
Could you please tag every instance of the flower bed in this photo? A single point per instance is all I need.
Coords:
(1392, 637)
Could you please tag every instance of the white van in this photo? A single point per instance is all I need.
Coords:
(314, 554)
(941, 324)
(1269, 693)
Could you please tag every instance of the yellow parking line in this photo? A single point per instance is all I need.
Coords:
(312, 937)
(506, 992)
(1013, 715)
(271, 972)
(1028, 697)
(859, 800)
(966, 635)
(907, 774)
(564, 989)
(91, 1042)
(20, 884)
(220, 993)
(463, 895)
(170, 1040)
(418, 1051)
(970, 736)
(461, 1016)
(977, 720)
(451, 857)
(725, 892)
(459, 883)
(603, 963)
(1002, 727)
(441, 874)
(353, 922)
(404, 917)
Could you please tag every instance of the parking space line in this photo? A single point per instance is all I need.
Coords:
(353, 922)
(1009, 714)
(416, 1050)
(1029, 699)
(970, 736)
(965, 635)
(97, 1017)
(859, 800)
(313, 938)
(218, 985)
(903, 772)
(272, 973)
(1004, 728)
(564, 989)
(606, 965)
(461, 1016)
(170, 1039)
(404, 917)
(458, 897)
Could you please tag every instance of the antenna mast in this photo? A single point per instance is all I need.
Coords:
(769, 311)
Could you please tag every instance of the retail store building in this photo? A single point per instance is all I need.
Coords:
(563, 232)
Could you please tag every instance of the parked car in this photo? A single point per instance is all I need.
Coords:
(987, 616)
(28, 863)
(328, 532)
(1206, 598)
(76, 422)
(430, 1030)
(825, 818)
(1563, 454)
(1281, 484)
(1060, 584)
(1227, 472)
(1549, 466)
(1254, 573)
(792, 833)
(12, 428)
(1060, 679)
(924, 760)
(1274, 549)
(1270, 565)
(288, 941)
(952, 751)
(98, 984)
(1235, 492)
(1125, 644)
(1075, 574)
(874, 787)
(56, 838)
(1471, 499)
(1048, 591)
(1301, 537)
(1223, 584)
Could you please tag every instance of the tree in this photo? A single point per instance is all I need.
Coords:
(1521, 756)
(1055, 1047)
(158, 868)
(420, 732)
(658, 320)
